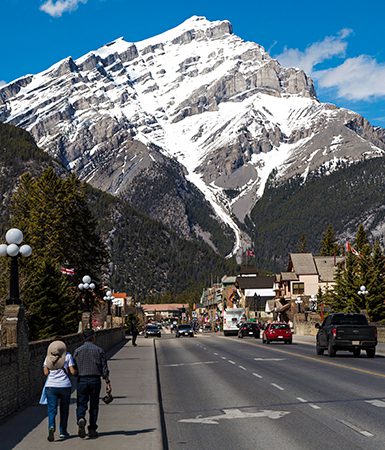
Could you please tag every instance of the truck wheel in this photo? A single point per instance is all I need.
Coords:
(331, 350)
(319, 350)
(371, 352)
(356, 352)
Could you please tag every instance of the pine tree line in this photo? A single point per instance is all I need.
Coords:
(365, 267)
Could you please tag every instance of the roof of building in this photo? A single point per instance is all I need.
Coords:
(289, 276)
(120, 295)
(258, 281)
(302, 264)
(327, 266)
(228, 279)
(158, 307)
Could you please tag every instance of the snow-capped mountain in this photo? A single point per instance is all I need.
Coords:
(217, 105)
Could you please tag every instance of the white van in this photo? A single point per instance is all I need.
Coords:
(231, 318)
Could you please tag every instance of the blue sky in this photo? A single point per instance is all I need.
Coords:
(339, 43)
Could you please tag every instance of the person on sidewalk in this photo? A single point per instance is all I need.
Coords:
(91, 363)
(57, 366)
(134, 330)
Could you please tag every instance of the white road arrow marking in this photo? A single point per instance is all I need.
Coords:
(378, 403)
(230, 414)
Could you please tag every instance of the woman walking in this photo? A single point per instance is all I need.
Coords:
(58, 365)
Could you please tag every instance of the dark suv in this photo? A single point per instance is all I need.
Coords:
(249, 329)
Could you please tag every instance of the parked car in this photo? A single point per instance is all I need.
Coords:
(277, 331)
(184, 330)
(351, 332)
(249, 329)
(152, 330)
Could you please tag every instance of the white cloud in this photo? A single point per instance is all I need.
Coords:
(358, 78)
(315, 53)
(2, 83)
(58, 7)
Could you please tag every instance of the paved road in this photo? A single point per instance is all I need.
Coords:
(227, 393)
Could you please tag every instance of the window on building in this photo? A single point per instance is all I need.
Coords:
(298, 288)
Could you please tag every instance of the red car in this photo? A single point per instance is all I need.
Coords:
(277, 331)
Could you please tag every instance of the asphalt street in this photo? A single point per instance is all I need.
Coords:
(230, 393)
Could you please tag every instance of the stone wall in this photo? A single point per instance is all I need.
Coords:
(21, 368)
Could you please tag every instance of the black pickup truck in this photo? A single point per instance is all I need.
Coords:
(349, 332)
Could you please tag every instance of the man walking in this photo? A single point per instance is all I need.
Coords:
(91, 364)
(134, 330)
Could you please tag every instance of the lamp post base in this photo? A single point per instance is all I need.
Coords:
(108, 321)
(14, 328)
(86, 321)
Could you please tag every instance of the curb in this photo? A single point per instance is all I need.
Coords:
(161, 419)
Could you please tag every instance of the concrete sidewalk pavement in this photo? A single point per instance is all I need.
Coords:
(131, 421)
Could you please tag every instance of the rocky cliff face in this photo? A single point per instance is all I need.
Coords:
(220, 108)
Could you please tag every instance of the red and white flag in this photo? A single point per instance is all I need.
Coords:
(250, 252)
(351, 249)
(67, 271)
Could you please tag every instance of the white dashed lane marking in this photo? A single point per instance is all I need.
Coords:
(231, 362)
(257, 375)
(277, 386)
(243, 368)
(356, 429)
(312, 405)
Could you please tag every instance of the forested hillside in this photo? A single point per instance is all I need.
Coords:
(345, 198)
(146, 257)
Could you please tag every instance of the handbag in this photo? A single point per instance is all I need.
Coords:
(43, 396)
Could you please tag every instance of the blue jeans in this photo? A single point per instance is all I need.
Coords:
(54, 395)
(88, 390)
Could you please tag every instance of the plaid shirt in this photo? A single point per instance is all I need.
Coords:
(91, 361)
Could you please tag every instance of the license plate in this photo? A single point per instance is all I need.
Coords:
(280, 337)
(356, 342)
(250, 332)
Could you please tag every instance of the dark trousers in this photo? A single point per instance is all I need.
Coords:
(134, 336)
(88, 390)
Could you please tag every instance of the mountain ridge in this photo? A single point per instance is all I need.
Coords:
(218, 106)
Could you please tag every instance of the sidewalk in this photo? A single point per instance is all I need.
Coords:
(131, 421)
(310, 340)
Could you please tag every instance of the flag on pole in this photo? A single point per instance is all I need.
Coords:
(350, 249)
(67, 271)
(250, 252)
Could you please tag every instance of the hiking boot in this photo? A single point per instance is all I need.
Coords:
(82, 427)
(92, 434)
(51, 436)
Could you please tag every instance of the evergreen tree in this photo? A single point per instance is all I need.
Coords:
(375, 305)
(56, 221)
(329, 246)
(344, 298)
(302, 244)
(361, 238)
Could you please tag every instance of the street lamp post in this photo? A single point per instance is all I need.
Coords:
(313, 303)
(363, 291)
(87, 287)
(109, 299)
(14, 238)
(299, 302)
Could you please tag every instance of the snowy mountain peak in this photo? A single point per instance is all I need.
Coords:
(198, 94)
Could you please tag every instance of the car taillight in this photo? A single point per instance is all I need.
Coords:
(334, 332)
